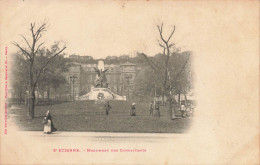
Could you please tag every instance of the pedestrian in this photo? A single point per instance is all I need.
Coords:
(48, 123)
(151, 108)
(183, 110)
(107, 107)
(132, 112)
(157, 110)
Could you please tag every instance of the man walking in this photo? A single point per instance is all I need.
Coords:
(157, 109)
(151, 108)
(132, 113)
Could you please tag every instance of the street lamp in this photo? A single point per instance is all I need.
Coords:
(72, 80)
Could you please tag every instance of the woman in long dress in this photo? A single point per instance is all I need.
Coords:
(48, 123)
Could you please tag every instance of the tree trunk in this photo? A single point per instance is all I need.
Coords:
(31, 93)
(25, 99)
(20, 97)
(31, 103)
(185, 99)
(117, 89)
(170, 106)
(59, 94)
(55, 93)
(48, 94)
(163, 93)
(37, 98)
(179, 99)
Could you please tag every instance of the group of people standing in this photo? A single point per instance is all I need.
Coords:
(154, 109)
(186, 111)
(108, 107)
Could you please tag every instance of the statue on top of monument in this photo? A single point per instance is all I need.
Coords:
(101, 81)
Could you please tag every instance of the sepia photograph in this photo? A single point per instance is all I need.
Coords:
(125, 93)
(129, 82)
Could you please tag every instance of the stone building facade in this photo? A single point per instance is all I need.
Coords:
(81, 78)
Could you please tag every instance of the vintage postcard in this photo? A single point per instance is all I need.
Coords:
(129, 82)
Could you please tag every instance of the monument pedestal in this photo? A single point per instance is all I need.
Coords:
(99, 94)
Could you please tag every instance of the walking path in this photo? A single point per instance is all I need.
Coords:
(105, 136)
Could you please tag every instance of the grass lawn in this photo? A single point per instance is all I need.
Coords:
(90, 117)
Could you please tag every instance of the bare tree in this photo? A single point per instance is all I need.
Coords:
(164, 42)
(30, 53)
(166, 51)
(168, 82)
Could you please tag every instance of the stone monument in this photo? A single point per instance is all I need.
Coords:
(101, 91)
(101, 80)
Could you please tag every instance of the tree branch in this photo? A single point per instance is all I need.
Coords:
(160, 32)
(34, 40)
(38, 38)
(164, 48)
(38, 47)
(25, 53)
(171, 34)
(171, 45)
(38, 76)
(32, 27)
(26, 41)
(40, 29)
(151, 63)
(160, 28)
(161, 45)
(179, 73)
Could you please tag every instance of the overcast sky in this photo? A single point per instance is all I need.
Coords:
(100, 28)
